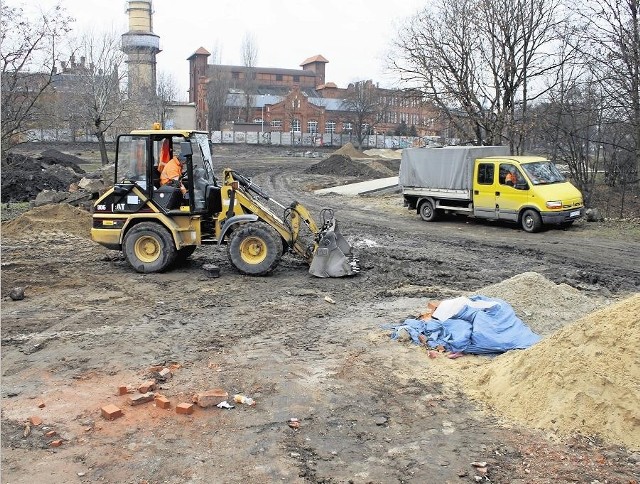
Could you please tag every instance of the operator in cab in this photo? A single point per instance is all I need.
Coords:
(172, 173)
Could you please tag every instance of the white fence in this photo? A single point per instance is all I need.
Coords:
(277, 138)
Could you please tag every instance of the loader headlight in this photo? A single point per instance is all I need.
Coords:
(554, 204)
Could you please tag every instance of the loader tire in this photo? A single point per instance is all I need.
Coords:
(149, 247)
(255, 249)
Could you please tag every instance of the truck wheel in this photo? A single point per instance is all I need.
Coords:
(149, 247)
(255, 249)
(427, 211)
(531, 221)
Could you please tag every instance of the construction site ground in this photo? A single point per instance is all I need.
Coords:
(370, 409)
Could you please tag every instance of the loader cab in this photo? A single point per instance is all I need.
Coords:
(140, 157)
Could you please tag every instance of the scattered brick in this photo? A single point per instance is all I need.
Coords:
(166, 373)
(162, 402)
(123, 390)
(41, 405)
(110, 412)
(56, 443)
(184, 408)
(142, 398)
(147, 386)
(210, 398)
(50, 433)
(35, 420)
(433, 305)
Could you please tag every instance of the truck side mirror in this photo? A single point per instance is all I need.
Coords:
(521, 186)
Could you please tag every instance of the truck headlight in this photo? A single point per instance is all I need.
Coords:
(554, 204)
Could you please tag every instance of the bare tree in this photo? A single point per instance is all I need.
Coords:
(612, 47)
(249, 59)
(477, 60)
(364, 106)
(28, 57)
(218, 85)
(100, 97)
(166, 94)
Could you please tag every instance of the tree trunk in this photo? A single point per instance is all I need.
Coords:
(103, 147)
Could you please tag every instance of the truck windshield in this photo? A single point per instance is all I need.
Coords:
(543, 172)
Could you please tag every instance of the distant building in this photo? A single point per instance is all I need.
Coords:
(298, 100)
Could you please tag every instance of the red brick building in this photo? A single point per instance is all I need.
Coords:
(300, 100)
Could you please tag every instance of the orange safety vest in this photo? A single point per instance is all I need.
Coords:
(172, 171)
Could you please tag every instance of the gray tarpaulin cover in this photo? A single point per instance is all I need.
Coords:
(450, 167)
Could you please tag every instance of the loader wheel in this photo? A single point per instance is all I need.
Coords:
(255, 249)
(427, 211)
(149, 247)
(531, 221)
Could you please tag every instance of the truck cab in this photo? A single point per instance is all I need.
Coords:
(527, 190)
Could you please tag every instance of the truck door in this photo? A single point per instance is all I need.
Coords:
(512, 192)
(484, 197)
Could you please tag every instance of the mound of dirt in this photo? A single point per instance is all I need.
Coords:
(23, 177)
(55, 157)
(350, 151)
(563, 304)
(342, 165)
(581, 380)
(58, 217)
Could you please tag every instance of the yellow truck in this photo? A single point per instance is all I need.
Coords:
(487, 182)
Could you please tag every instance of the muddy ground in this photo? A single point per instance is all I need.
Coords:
(370, 409)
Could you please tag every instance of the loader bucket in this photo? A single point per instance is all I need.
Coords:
(333, 257)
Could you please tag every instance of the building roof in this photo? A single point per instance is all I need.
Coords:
(315, 58)
(200, 51)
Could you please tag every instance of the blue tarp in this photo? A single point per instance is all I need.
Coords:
(473, 330)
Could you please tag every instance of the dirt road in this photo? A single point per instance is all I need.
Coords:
(370, 409)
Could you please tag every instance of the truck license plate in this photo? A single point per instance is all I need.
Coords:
(575, 213)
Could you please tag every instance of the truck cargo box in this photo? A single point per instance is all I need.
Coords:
(448, 168)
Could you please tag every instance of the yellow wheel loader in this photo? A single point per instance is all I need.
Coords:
(157, 225)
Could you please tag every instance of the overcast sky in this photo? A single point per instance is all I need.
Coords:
(353, 35)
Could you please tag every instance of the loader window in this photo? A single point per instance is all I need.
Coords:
(485, 173)
(132, 155)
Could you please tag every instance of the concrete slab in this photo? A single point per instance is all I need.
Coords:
(362, 187)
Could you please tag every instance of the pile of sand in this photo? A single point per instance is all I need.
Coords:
(542, 304)
(350, 151)
(585, 378)
(59, 217)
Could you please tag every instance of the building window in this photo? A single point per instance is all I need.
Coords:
(235, 75)
(330, 127)
(278, 77)
(296, 78)
(295, 125)
(347, 127)
(276, 125)
(257, 120)
(312, 127)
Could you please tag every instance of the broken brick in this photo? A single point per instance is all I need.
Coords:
(35, 420)
(210, 398)
(184, 408)
(51, 433)
(142, 398)
(165, 373)
(162, 402)
(56, 443)
(147, 386)
(433, 305)
(111, 412)
(41, 405)
(123, 390)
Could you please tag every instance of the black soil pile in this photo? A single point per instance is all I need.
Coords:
(341, 165)
(23, 177)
